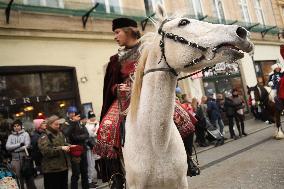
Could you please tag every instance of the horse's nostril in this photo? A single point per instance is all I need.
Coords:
(242, 32)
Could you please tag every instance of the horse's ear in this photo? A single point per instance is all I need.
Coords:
(161, 12)
(247, 87)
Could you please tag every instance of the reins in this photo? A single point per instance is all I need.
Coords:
(181, 40)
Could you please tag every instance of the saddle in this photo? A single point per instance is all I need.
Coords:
(184, 120)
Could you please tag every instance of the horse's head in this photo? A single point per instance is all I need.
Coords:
(254, 94)
(190, 45)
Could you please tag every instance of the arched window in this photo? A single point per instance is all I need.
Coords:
(195, 8)
(259, 12)
(218, 11)
(245, 12)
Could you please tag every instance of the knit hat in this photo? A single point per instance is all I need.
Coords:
(123, 22)
(178, 90)
(274, 66)
(37, 123)
(54, 118)
(91, 114)
(72, 109)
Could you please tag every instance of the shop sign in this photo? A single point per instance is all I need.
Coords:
(223, 69)
(25, 100)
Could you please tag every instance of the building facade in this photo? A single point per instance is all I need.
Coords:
(52, 57)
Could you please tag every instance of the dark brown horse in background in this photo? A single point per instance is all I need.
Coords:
(263, 100)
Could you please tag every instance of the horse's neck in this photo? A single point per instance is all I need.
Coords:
(157, 106)
(158, 95)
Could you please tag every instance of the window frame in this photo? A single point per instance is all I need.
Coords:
(194, 3)
(43, 3)
(220, 18)
(107, 6)
(74, 93)
(259, 12)
(154, 4)
(244, 4)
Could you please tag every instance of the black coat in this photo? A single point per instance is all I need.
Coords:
(229, 107)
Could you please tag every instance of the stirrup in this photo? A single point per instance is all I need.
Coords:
(111, 180)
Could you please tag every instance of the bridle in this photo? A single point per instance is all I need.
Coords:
(181, 40)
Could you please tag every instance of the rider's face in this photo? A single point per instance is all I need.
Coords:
(120, 37)
(277, 69)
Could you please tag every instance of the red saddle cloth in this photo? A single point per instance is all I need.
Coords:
(281, 88)
(184, 120)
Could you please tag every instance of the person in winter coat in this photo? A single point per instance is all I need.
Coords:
(274, 78)
(92, 126)
(78, 135)
(230, 113)
(239, 112)
(200, 127)
(40, 128)
(214, 114)
(16, 144)
(54, 148)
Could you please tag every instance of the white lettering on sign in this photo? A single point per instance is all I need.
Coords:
(37, 98)
(12, 101)
(47, 98)
(26, 100)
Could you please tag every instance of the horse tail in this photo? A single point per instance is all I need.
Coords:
(137, 85)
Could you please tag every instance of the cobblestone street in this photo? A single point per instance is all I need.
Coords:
(259, 164)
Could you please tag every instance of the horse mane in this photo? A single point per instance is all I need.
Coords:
(146, 42)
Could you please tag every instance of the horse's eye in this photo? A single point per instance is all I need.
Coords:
(183, 22)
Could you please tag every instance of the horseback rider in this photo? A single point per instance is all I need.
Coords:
(116, 98)
(274, 78)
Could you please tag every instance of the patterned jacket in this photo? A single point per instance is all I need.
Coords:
(54, 158)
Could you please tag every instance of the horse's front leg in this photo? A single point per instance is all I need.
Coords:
(279, 133)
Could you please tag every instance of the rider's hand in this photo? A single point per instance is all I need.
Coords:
(65, 148)
(76, 118)
(123, 87)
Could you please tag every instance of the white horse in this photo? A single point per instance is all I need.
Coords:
(154, 153)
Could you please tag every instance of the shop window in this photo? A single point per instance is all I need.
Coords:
(218, 11)
(56, 82)
(150, 5)
(21, 85)
(222, 79)
(43, 90)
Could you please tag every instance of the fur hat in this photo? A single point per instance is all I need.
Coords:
(274, 66)
(123, 22)
(54, 118)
